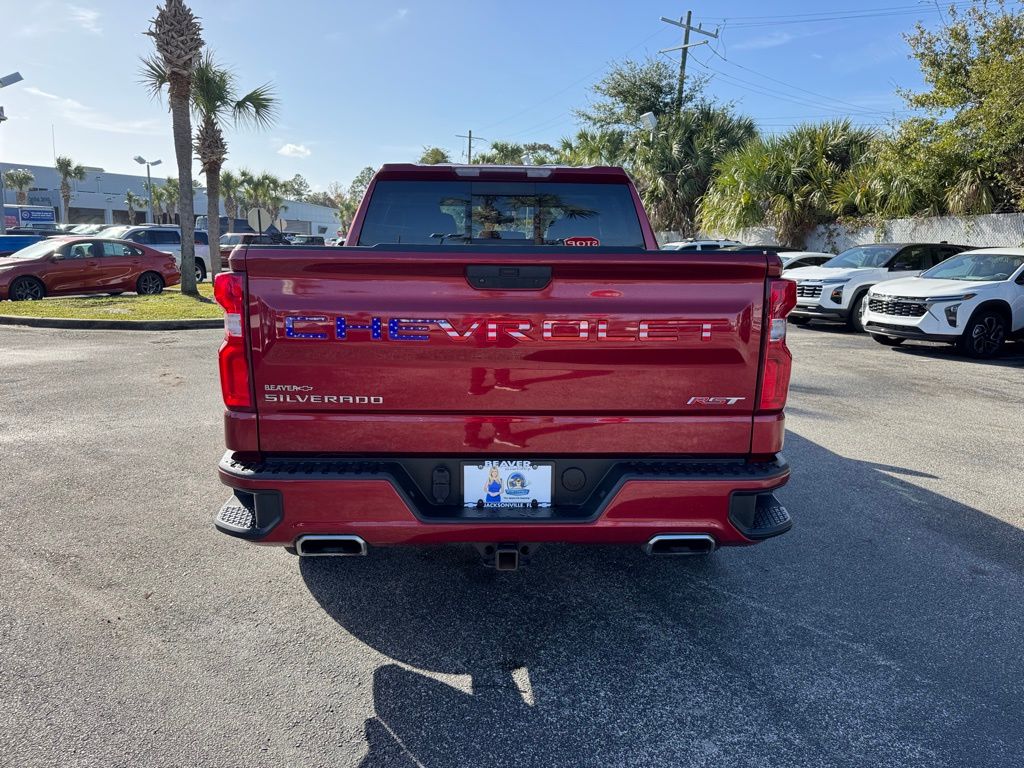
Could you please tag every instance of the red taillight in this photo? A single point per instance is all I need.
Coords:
(229, 291)
(778, 362)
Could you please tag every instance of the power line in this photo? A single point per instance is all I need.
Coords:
(852, 15)
(789, 85)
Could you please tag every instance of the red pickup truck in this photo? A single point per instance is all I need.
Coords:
(502, 356)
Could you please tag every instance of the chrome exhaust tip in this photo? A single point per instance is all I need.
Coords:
(330, 545)
(680, 544)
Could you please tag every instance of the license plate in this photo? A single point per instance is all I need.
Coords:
(506, 484)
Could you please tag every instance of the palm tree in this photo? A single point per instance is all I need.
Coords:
(791, 182)
(172, 194)
(215, 100)
(501, 153)
(230, 188)
(264, 191)
(178, 38)
(68, 170)
(674, 166)
(595, 147)
(20, 179)
(157, 197)
(133, 201)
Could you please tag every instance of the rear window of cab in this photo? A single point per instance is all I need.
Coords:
(496, 214)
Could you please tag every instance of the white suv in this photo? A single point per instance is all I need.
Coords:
(166, 238)
(974, 300)
(836, 290)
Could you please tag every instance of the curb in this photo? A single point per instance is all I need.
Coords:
(112, 325)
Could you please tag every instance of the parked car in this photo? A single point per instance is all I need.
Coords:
(974, 301)
(37, 231)
(308, 240)
(767, 248)
(797, 259)
(836, 290)
(86, 229)
(12, 243)
(166, 238)
(699, 245)
(69, 265)
(229, 240)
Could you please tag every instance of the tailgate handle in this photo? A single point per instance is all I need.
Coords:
(491, 277)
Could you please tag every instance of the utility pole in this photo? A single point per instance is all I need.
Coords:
(687, 29)
(469, 141)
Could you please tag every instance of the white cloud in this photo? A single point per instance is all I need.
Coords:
(771, 40)
(87, 18)
(77, 113)
(399, 16)
(294, 150)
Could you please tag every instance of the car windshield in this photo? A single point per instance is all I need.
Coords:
(862, 256)
(977, 267)
(496, 214)
(114, 233)
(34, 251)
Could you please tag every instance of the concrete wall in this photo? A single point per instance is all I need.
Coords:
(997, 229)
(101, 195)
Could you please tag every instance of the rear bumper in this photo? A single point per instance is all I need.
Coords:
(277, 501)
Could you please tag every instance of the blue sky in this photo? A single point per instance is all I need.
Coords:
(362, 83)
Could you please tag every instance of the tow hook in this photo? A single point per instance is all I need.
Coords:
(507, 556)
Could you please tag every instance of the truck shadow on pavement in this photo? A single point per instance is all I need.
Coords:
(883, 630)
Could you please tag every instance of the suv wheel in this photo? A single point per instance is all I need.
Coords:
(858, 309)
(200, 271)
(984, 335)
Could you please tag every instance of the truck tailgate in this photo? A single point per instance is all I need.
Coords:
(366, 350)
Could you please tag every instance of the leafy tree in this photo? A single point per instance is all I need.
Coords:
(974, 73)
(68, 170)
(349, 199)
(177, 36)
(788, 181)
(631, 89)
(20, 179)
(434, 155)
(297, 188)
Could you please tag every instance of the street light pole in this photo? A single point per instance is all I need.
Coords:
(149, 183)
(11, 79)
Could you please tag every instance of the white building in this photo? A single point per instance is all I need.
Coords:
(99, 199)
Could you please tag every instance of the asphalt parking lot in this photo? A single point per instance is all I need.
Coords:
(884, 630)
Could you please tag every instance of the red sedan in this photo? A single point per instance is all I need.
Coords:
(69, 265)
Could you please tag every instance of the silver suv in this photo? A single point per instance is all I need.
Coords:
(166, 238)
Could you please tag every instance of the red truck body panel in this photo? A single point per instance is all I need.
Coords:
(396, 353)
